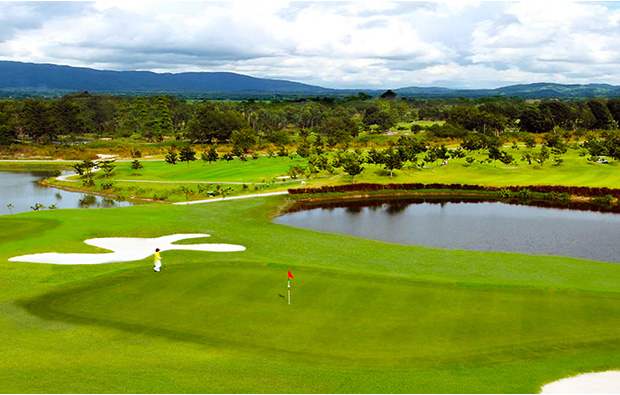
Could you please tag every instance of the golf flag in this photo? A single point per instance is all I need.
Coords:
(289, 275)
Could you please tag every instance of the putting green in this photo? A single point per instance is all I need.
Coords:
(339, 318)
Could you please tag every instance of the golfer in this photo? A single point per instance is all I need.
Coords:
(157, 260)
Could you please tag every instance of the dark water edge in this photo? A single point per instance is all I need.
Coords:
(570, 229)
(407, 200)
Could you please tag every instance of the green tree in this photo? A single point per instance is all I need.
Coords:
(212, 154)
(530, 142)
(382, 118)
(294, 171)
(67, 116)
(187, 154)
(337, 129)
(472, 142)
(210, 123)
(391, 160)
(534, 121)
(88, 166)
(37, 121)
(172, 156)
(495, 153)
(408, 148)
(79, 168)
(163, 117)
(244, 139)
(352, 164)
(457, 153)
(303, 149)
(604, 119)
(107, 166)
(136, 165)
(542, 156)
(7, 135)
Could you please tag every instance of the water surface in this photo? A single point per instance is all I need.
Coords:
(473, 226)
(21, 190)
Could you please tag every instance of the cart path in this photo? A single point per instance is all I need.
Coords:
(233, 198)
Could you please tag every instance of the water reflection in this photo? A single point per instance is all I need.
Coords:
(20, 192)
(87, 200)
(475, 225)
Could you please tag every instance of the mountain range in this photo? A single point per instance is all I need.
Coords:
(32, 79)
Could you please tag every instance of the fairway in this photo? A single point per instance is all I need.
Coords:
(258, 170)
(365, 316)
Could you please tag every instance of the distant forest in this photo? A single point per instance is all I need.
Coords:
(333, 122)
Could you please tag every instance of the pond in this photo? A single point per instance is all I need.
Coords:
(20, 192)
(473, 226)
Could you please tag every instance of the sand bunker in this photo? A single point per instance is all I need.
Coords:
(126, 249)
(589, 383)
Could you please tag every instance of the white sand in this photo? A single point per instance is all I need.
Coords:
(126, 249)
(588, 383)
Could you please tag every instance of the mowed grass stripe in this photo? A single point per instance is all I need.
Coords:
(364, 322)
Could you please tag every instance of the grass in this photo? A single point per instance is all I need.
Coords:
(160, 181)
(574, 170)
(259, 170)
(366, 316)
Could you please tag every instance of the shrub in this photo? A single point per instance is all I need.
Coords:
(524, 194)
(605, 200)
(504, 193)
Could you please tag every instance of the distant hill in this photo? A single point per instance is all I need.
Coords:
(31, 79)
(18, 76)
(540, 90)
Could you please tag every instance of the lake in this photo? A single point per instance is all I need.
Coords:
(21, 190)
(473, 226)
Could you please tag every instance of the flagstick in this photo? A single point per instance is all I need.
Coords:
(289, 291)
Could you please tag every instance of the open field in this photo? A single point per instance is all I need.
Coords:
(366, 316)
(161, 181)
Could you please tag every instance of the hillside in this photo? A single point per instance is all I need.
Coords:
(541, 90)
(30, 77)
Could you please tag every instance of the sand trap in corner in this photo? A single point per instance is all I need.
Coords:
(126, 249)
(588, 383)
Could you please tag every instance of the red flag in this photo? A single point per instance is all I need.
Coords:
(290, 275)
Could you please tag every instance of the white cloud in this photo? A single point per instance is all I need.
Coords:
(333, 44)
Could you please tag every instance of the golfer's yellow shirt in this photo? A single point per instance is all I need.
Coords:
(157, 257)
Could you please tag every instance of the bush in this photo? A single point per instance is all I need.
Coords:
(524, 194)
(504, 194)
(605, 200)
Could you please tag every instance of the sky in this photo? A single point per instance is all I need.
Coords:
(358, 44)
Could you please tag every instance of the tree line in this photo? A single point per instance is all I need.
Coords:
(329, 121)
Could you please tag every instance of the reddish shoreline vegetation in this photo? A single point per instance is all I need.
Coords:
(558, 189)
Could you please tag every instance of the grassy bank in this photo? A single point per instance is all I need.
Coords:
(366, 316)
(198, 180)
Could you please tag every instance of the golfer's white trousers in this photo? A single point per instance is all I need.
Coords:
(157, 265)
